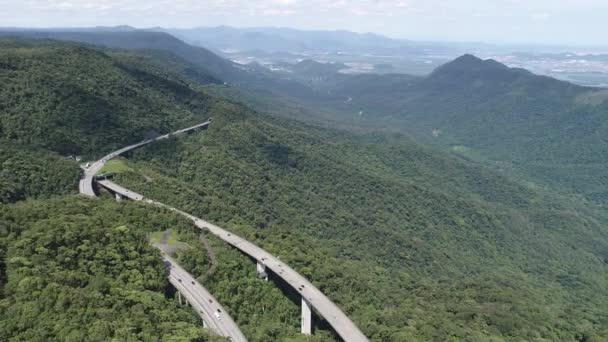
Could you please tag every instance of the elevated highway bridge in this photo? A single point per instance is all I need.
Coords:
(311, 297)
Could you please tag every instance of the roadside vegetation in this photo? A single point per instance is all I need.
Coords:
(114, 166)
(75, 269)
(413, 244)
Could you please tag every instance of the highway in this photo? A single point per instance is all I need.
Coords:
(343, 326)
(86, 183)
(347, 330)
(206, 306)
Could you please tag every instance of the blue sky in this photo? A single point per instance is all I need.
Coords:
(574, 22)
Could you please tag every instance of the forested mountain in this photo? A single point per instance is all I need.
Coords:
(135, 39)
(75, 100)
(551, 130)
(413, 243)
(247, 77)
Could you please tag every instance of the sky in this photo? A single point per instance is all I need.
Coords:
(567, 22)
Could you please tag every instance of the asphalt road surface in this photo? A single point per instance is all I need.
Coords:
(207, 307)
(86, 183)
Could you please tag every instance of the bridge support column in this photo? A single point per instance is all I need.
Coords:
(179, 297)
(261, 268)
(306, 317)
(118, 197)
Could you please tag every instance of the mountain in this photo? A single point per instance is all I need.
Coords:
(481, 109)
(283, 39)
(61, 100)
(415, 244)
(313, 68)
(137, 40)
(260, 81)
(551, 130)
(74, 100)
(391, 229)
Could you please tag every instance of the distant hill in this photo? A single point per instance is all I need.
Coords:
(313, 68)
(283, 39)
(252, 78)
(552, 130)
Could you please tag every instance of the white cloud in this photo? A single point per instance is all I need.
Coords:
(541, 16)
(284, 2)
(423, 19)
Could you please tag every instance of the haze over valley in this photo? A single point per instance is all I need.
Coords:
(279, 48)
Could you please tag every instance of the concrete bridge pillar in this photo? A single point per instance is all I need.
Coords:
(118, 197)
(179, 297)
(261, 268)
(306, 317)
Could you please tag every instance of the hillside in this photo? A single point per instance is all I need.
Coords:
(243, 76)
(413, 243)
(139, 40)
(550, 130)
(73, 100)
(391, 230)
(73, 269)
(28, 172)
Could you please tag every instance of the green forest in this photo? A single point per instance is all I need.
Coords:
(81, 270)
(548, 131)
(412, 242)
(28, 172)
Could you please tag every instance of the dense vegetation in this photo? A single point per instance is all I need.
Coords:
(550, 130)
(140, 40)
(74, 100)
(25, 172)
(263, 310)
(413, 244)
(81, 270)
(536, 126)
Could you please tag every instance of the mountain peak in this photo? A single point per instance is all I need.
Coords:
(468, 58)
(469, 70)
(470, 63)
(118, 28)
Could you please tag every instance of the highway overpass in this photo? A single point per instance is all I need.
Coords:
(86, 183)
(207, 307)
(311, 297)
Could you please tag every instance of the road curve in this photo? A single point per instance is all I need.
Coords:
(206, 306)
(86, 183)
(347, 330)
